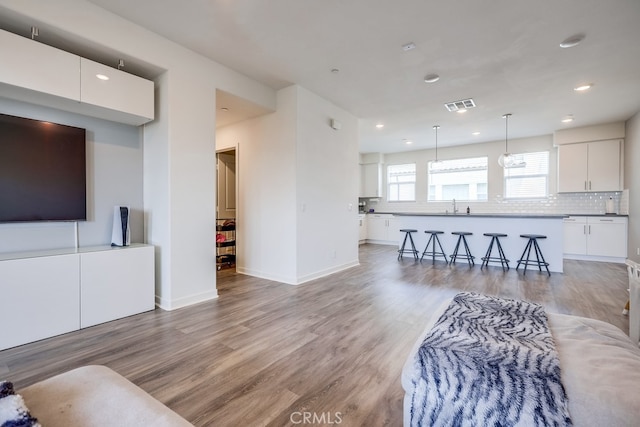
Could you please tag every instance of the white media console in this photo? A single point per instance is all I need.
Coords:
(48, 293)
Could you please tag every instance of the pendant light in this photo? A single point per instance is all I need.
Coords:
(505, 160)
(435, 164)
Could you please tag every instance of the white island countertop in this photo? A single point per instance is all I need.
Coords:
(512, 224)
(480, 215)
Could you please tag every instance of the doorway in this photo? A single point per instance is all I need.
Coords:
(226, 209)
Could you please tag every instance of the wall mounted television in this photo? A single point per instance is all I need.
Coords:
(42, 171)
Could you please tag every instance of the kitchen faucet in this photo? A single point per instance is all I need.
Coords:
(455, 210)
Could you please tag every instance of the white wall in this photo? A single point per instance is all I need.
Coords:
(114, 177)
(191, 189)
(495, 173)
(266, 223)
(297, 177)
(632, 182)
(554, 203)
(179, 146)
(327, 188)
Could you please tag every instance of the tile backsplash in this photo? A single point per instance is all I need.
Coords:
(562, 203)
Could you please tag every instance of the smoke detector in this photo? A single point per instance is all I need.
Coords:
(463, 104)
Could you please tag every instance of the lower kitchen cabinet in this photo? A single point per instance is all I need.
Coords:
(598, 238)
(383, 229)
(362, 228)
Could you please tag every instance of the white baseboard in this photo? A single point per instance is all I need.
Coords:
(298, 280)
(327, 272)
(383, 242)
(262, 275)
(167, 304)
(594, 258)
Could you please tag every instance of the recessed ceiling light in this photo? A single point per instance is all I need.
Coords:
(408, 142)
(335, 70)
(567, 119)
(102, 77)
(572, 41)
(476, 133)
(380, 125)
(224, 109)
(582, 88)
(462, 110)
(431, 78)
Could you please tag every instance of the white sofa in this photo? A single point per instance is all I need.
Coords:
(95, 396)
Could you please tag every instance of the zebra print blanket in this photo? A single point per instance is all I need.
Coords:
(489, 362)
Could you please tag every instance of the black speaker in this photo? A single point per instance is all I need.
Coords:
(120, 235)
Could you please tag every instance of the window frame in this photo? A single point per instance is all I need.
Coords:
(506, 178)
(401, 183)
(484, 168)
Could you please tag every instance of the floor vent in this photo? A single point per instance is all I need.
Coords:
(463, 104)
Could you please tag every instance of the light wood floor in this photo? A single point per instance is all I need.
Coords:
(263, 350)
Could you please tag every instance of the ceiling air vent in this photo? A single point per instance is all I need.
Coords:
(460, 105)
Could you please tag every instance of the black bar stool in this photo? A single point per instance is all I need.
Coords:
(461, 238)
(533, 243)
(433, 253)
(501, 258)
(412, 249)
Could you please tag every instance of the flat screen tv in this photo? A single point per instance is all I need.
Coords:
(42, 171)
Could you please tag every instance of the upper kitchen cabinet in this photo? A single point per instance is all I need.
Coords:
(117, 95)
(370, 180)
(371, 167)
(33, 66)
(590, 166)
(40, 74)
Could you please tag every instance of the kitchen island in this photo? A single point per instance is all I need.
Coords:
(511, 224)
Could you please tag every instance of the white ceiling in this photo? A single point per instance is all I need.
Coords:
(504, 54)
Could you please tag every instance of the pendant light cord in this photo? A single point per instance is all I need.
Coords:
(436, 127)
(506, 132)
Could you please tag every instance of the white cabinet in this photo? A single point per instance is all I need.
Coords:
(371, 180)
(116, 283)
(572, 168)
(362, 228)
(382, 228)
(37, 67)
(44, 75)
(123, 97)
(607, 237)
(592, 166)
(55, 292)
(597, 238)
(38, 298)
(575, 235)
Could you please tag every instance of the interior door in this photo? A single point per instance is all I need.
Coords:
(226, 200)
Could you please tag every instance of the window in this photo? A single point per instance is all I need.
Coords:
(460, 179)
(401, 181)
(529, 178)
